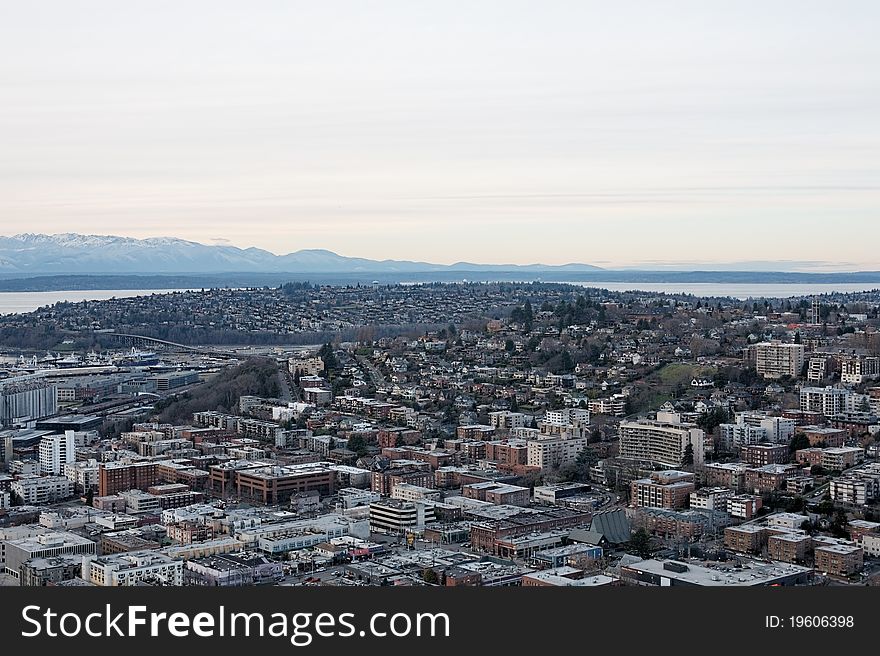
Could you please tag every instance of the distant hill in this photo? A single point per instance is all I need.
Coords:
(71, 253)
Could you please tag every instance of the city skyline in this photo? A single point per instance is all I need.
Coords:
(632, 136)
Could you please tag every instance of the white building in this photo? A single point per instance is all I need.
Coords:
(856, 369)
(660, 442)
(778, 359)
(711, 498)
(408, 492)
(133, 568)
(306, 366)
(393, 516)
(853, 490)
(871, 545)
(57, 451)
(829, 401)
(505, 419)
(551, 452)
(40, 490)
(46, 544)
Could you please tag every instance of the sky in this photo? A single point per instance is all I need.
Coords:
(625, 134)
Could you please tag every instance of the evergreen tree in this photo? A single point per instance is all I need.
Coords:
(687, 459)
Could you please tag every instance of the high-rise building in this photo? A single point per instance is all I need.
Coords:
(57, 451)
(777, 359)
(661, 442)
(856, 369)
(829, 401)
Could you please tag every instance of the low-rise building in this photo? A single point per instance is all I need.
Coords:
(789, 547)
(839, 559)
(134, 568)
(748, 538)
(710, 498)
(664, 489)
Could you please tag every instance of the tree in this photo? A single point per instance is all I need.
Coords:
(358, 444)
(640, 543)
(839, 524)
(798, 442)
(328, 356)
(509, 346)
(90, 497)
(712, 419)
(528, 317)
(826, 507)
(565, 363)
(430, 577)
(687, 459)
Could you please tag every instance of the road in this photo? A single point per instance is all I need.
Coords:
(375, 375)
(285, 393)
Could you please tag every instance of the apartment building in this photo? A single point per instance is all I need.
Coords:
(710, 498)
(665, 489)
(776, 359)
(313, 366)
(759, 455)
(853, 490)
(747, 538)
(411, 472)
(744, 506)
(83, 474)
(55, 451)
(115, 477)
(134, 568)
(828, 401)
(789, 547)
(551, 452)
(839, 559)
(407, 492)
(857, 369)
(824, 436)
(840, 458)
(660, 442)
(40, 490)
(497, 493)
(768, 478)
(506, 420)
(474, 432)
(726, 474)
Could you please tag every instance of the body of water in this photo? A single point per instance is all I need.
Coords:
(17, 302)
(741, 291)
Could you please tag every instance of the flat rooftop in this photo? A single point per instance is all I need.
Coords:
(752, 573)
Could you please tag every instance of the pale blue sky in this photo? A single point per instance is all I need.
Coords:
(625, 133)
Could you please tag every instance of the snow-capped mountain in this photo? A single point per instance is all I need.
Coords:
(72, 253)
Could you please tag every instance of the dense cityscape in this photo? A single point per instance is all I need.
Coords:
(467, 434)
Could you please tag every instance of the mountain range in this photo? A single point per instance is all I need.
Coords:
(75, 254)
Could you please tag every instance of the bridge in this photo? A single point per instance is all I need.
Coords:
(165, 345)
